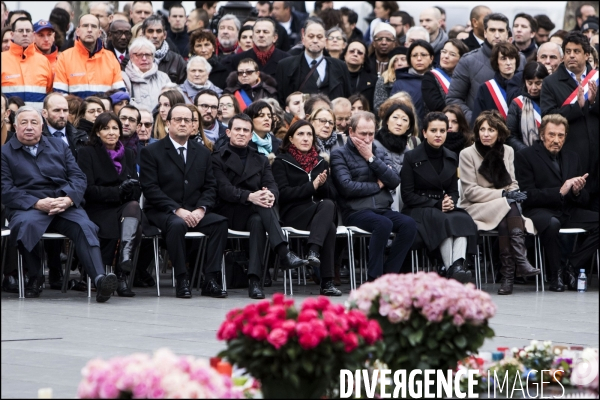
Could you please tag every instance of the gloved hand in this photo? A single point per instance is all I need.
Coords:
(126, 189)
(515, 195)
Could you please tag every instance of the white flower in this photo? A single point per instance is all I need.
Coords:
(514, 350)
(534, 342)
(528, 348)
(547, 343)
(522, 354)
(557, 351)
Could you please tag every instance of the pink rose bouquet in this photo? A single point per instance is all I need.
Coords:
(427, 321)
(298, 350)
(165, 375)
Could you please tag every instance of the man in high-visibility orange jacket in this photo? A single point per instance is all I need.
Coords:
(44, 38)
(87, 68)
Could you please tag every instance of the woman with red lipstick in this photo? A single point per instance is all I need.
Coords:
(430, 193)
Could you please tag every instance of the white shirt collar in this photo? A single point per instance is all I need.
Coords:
(480, 41)
(177, 145)
(309, 59)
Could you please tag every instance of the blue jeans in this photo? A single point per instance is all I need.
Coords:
(381, 224)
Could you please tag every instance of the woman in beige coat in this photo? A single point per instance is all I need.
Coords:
(490, 195)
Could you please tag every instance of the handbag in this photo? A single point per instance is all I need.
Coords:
(236, 269)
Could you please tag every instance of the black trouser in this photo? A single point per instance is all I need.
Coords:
(261, 221)
(89, 256)
(109, 246)
(579, 218)
(212, 225)
(322, 233)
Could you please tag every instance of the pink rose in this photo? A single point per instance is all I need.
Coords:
(310, 304)
(278, 337)
(278, 298)
(350, 342)
(322, 303)
(336, 333)
(309, 341)
(302, 328)
(259, 332)
(307, 314)
(288, 325)
(227, 331)
(263, 306)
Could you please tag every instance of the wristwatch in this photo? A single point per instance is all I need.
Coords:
(371, 159)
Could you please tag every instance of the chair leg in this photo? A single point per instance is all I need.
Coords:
(20, 275)
(89, 286)
(135, 261)
(223, 277)
(196, 263)
(477, 270)
(156, 265)
(351, 261)
(68, 267)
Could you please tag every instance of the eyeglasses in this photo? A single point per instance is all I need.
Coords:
(226, 105)
(121, 33)
(332, 38)
(247, 72)
(451, 53)
(206, 107)
(325, 121)
(130, 119)
(143, 55)
(22, 31)
(147, 125)
(356, 51)
(179, 120)
(381, 39)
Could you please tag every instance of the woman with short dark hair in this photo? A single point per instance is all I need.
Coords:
(89, 109)
(524, 113)
(263, 139)
(112, 195)
(490, 194)
(204, 43)
(430, 194)
(459, 135)
(498, 92)
(306, 198)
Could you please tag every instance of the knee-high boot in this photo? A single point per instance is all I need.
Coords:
(130, 240)
(516, 231)
(507, 269)
(123, 289)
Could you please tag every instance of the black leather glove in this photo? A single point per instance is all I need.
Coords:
(126, 189)
(515, 195)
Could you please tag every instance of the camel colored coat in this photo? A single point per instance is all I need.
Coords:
(479, 198)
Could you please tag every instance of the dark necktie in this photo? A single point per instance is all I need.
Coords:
(181, 150)
(312, 64)
(121, 57)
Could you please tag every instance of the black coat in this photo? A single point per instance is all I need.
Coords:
(266, 88)
(77, 138)
(542, 182)
(103, 204)
(27, 179)
(237, 181)
(434, 96)
(168, 184)
(423, 191)
(298, 198)
(363, 83)
(181, 40)
(583, 122)
(484, 100)
(513, 122)
(232, 61)
(174, 66)
(471, 42)
(289, 79)
(218, 75)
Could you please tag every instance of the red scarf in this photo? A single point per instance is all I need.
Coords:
(263, 56)
(307, 160)
(223, 50)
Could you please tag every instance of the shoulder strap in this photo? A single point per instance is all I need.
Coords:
(312, 71)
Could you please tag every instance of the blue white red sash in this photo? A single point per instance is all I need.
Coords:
(443, 79)
(499, 96)
(593, 75)
(537, 112)
(243, 99)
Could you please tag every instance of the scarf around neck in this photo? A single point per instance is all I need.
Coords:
(439, 41)
(264, 146)
(263, 56)
(306, 160)
(224, 50)
(130, 142)
(394, 143)
(212, 134)
(325, 145)
(493, 168)
(161, 53)
(529, 129)
(116, 156)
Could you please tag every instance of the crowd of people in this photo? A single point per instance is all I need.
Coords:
(421, 134)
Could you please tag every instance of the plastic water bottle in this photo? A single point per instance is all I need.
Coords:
(582, 281)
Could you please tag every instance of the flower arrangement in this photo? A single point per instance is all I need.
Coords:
(298, 353)
(536, 357)
(165, 375)
(585, 372)
(427, 321)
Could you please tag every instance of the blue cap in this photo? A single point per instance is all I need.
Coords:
(41, 25)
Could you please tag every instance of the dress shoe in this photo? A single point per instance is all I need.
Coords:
(55, 277)
(183, 289)
(213, 289)
(570, 278)
(313, 259)
(291, 260)
(329, 289)
(123, 289)
(10, 284)
(459, 272)
(254, 291)
(107, 284)
(32, 288)
(144, 276)
(442, 271)
(556, 282)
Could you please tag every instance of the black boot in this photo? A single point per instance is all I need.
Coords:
(570, 278)
(556, 281)
(518, 249)
(123, 289)
(507, 268)
(458, 271)
(130, 239)
(254, 291)
(32, 288)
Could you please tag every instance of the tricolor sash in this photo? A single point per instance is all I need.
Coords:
(537, 112)
(242, 98)
(593, 75)
(443, 79)
(499, 96)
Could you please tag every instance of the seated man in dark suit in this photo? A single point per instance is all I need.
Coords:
(177, 179)
(247, 193)
(42, 188)
(556, 199)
